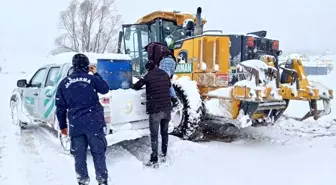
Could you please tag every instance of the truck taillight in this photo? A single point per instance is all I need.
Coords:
(250, 42)
(275, 45)
(105, 101)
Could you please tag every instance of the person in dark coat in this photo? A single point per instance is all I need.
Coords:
(158, 107)
(163, 57)
(77, 100)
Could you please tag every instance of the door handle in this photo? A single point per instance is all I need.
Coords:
(35, 94)
(48, 95)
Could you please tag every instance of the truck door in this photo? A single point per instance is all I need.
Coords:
(47, 96)
(32, 92)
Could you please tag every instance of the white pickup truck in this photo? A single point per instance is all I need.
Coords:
(125, 109)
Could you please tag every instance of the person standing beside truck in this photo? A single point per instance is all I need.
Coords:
(158, 107)
(77, 100)
(163, 57)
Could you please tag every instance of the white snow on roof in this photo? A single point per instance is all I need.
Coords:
(93, 57)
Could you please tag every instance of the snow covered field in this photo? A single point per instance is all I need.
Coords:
(290, 153)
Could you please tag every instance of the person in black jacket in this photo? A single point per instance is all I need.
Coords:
(158, 107)
(164, 58)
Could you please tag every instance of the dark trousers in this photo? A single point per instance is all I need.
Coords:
(98, 145)
(156, 120)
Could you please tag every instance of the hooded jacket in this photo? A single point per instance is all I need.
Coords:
(77, 100)
(157, 51)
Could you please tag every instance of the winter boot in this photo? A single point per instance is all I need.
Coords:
(163, 158)
(153, 162)
(83, 183)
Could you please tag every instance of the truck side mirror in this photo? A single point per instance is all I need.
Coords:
(21, 83)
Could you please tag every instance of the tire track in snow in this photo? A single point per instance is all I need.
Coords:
(139, 148)
(37, 171)
(12, 169)
(22, 159)
(117, 157)
(285, 131)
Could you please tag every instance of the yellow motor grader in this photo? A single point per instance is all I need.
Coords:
(239, 72)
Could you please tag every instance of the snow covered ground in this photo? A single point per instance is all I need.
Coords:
(290, 153)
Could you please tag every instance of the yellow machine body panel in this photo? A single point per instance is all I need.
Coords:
(173, 16)
(206, 61)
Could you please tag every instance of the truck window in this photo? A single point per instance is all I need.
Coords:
(52, 76)
(38, 78)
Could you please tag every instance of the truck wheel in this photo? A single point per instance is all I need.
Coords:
(15, 114)
(185, 124)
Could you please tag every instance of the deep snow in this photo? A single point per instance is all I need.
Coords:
(288, 153)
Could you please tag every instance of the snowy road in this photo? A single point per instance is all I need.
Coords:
(289, 153)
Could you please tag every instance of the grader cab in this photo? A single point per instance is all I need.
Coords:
(243, 65)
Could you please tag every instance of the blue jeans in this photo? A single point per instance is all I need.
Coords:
(172, 92)
(98, 145)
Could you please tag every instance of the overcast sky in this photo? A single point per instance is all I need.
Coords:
(28, 27)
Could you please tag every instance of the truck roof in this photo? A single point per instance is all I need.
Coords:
(93, 57)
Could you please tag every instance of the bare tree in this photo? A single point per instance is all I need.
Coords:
(88, 26)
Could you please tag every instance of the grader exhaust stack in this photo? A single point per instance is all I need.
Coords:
(199, 24)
